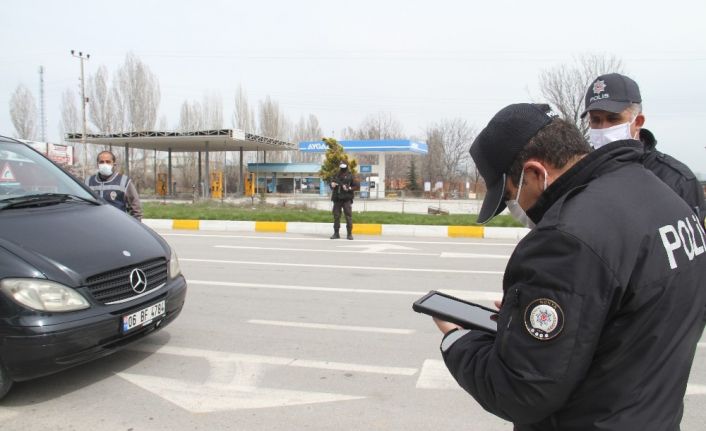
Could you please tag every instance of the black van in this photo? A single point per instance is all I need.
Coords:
(79, 279)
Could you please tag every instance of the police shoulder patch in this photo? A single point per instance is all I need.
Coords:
(544, 319)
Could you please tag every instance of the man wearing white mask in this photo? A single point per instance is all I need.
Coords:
(115, 188)
(603, 305)
(342, 194)
(614, 108)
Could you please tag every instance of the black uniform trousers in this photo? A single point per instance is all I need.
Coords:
(346, 206)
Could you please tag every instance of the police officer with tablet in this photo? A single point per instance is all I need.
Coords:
(603, 305)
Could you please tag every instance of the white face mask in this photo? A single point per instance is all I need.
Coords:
(105, 169)
(513, 205)
(601, 137)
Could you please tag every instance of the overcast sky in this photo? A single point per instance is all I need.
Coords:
(421, 61)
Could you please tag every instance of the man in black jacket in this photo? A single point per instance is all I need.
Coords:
(673, 173)
(342, 197)
(614, 107)
(603, 305)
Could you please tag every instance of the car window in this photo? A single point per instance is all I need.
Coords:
(24, 172)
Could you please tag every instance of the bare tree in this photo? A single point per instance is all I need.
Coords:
(243, 116)
(212, 119)
(212, 111)
(101, 105)
(190, 120)
(431, 167)
(70, 117)
(376, 126)
(274, 124)
(71, 123)
(190, 117)
(23, 113)
(564, 87)
(163, 123)
(138, 91)
(307, 130)
(139, 94)
(119, 114)
(449, 141)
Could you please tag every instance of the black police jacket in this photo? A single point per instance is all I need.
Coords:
(603, 305)
(341, 179)
(674, 173)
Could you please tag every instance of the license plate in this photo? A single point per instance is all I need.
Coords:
(143, 317)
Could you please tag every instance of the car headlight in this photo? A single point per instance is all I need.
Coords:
(174, 268)
(43, 295)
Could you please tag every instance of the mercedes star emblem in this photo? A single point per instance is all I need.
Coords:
(138, 280)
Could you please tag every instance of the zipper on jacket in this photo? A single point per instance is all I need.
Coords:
(515, 298)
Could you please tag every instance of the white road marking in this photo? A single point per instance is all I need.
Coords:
(701, 345)
(474, 256)
(693, 389)
(212, 397)
(306, 288)
(367, 268)
(374, 248)
(435, 375)
(6, 413)
(280, 237)
(234, 373)
(379, 248)
(212, 355)
(470, 295)
(332, 327)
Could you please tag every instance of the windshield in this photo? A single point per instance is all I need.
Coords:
(24, 172)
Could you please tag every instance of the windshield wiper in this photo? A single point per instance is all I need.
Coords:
(42, 199)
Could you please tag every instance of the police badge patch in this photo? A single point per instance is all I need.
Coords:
(113, 196)
(599, 86)
(544, 319)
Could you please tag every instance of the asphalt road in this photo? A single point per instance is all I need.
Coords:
(292, 332)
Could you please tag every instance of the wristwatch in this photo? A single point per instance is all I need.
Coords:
(451, 337)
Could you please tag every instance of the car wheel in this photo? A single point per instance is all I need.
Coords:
(5, 381)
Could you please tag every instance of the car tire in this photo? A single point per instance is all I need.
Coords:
(5, 381)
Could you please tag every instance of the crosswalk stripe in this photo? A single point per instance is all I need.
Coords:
(435, 375)
(469, 295)
(332, 327)
(366, 268)
(273, 360)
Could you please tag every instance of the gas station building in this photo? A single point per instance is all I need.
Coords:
(304, 177)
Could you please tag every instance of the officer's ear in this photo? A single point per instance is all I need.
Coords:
(640, 120)
(536, 172)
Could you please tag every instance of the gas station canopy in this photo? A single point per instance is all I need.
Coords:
(405, 146)
(186, 142)
(204, 140)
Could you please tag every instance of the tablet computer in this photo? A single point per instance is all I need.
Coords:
(463, 313)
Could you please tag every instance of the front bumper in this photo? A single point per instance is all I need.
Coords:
(30, 350)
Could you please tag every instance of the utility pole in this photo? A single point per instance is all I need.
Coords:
(42, 114)
(81, 56)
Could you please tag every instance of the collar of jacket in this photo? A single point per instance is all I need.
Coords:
(103, 179)
(596, 163)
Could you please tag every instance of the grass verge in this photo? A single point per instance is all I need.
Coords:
(219, 211)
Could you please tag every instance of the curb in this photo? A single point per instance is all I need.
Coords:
(513, 233)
